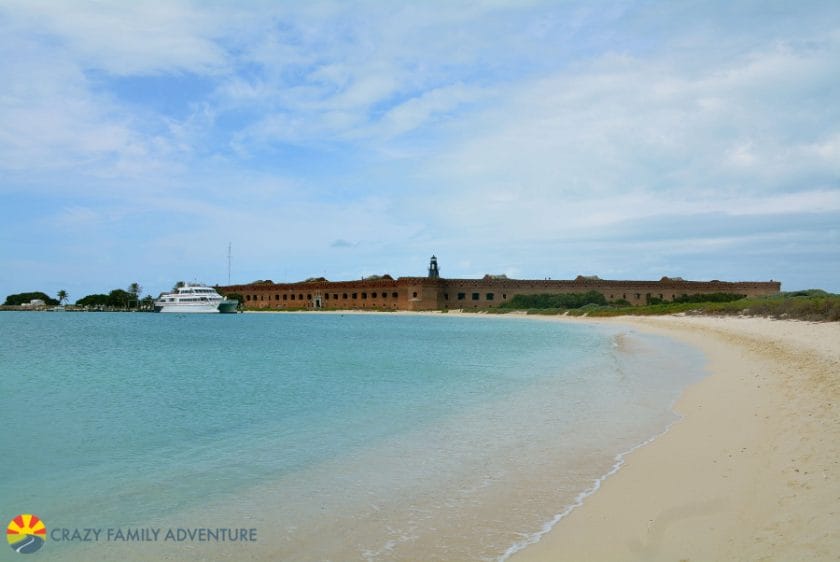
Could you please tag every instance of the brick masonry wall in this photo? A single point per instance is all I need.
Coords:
(421, 293)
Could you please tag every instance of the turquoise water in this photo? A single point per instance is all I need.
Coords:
(344, 437)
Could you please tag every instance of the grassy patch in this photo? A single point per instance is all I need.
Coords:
(814, 305)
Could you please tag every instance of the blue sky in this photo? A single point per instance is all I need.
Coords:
(625, 139)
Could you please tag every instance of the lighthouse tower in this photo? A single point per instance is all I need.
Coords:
(434, 272)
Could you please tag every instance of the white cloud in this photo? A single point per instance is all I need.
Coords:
(489, 131)
(128, 38)
(625, 137)
(418, 111)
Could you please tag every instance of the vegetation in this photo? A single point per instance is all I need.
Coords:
(814, 305)
(26, 298)
(567, 301)
(711, 297)
(62, 296)
(118, 299)
(234, 297)
(135, 291)
(93, 300)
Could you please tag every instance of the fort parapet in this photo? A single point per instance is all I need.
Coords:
(437, 293)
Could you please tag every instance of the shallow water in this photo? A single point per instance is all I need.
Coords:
(336, 437)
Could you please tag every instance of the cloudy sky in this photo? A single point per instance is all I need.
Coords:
(625, 139)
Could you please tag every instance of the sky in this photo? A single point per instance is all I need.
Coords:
(630, 140)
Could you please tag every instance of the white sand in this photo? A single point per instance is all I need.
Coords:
(752, 471)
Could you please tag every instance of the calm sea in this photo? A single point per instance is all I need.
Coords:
(336, 437)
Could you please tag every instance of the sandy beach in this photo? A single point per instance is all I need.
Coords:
(751, 471)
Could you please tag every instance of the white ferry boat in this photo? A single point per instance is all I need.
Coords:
(194, 298)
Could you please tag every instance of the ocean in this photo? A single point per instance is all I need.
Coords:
(325, 436)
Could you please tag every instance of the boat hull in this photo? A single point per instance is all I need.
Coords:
(228, 307)
(188, 308)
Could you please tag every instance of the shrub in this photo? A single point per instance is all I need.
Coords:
(564, 301)
(26, 298)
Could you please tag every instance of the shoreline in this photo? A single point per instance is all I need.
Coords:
(751, 469)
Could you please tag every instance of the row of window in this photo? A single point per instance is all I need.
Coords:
(475, 296)
(327, 296)
(364, 295)
(384, 295)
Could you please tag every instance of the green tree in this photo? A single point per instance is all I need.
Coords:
(93, 300)
(119, 299)
(25, 298)
(235, 297)
(147, 302)
(134, 290)
(62, 296)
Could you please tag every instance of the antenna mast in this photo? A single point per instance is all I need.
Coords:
(228, 263)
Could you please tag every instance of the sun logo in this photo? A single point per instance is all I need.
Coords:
(26, 533)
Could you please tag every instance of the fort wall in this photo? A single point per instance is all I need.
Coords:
(423, 293)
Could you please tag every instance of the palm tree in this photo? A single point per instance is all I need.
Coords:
(62, 296)
(135, 289)
(148, 302)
